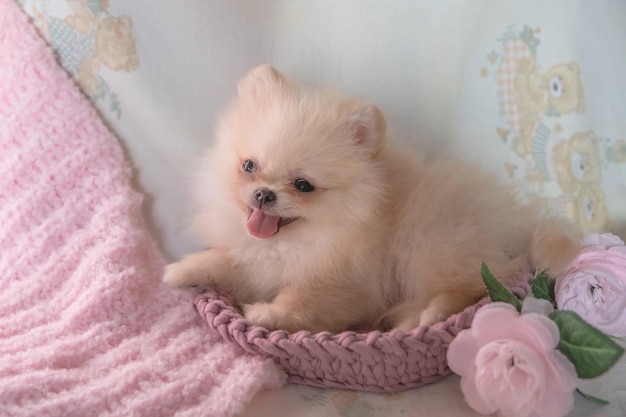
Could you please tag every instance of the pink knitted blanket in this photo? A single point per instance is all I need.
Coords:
(86, 328)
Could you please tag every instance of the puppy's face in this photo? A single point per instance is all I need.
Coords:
(293, 160)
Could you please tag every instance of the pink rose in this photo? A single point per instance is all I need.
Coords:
(509, 364)
(594, 286)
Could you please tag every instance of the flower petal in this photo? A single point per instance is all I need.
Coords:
(535, 305)
(538, 331)
(556, 404)
(508, 364)
(473, 398)
(461, 353)
(493, 321)
(563, 372)
(595, 288)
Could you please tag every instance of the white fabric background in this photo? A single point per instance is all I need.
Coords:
(418, 60)
(425, 63)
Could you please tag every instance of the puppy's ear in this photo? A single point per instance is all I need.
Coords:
(260, 81)
(367, 126)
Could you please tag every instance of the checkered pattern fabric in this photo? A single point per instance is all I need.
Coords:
(514, 51)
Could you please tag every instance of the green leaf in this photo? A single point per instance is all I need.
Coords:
(591, 351)
(497, 291)
(591, 398)
(543, 287)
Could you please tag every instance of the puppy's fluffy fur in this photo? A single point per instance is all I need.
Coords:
(314, 220)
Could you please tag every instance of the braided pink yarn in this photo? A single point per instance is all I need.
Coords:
(374, 361)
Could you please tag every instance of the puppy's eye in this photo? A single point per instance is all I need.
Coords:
(303, 186)
(248, 166)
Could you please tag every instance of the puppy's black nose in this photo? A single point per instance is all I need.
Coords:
(264, 196)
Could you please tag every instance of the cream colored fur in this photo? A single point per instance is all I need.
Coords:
(386, 236)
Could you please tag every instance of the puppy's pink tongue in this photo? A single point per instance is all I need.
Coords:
(262, 225)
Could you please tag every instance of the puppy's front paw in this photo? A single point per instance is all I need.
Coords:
(180, 274)
(433, 315)
(266, 315)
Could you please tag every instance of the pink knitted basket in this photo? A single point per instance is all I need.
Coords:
(374, 361)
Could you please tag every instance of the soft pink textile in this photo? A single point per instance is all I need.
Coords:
(86, 328)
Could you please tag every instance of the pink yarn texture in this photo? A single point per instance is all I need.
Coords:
(86, 328)
(374, 361)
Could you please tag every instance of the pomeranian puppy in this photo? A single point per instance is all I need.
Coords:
(315, 220)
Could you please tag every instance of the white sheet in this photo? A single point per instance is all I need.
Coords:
(159, 71)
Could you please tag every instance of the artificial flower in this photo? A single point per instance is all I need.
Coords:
(594, 286)
(509, 364)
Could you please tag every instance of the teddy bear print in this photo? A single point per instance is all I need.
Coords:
(561, 167)
(578, 169)
(88, 40)
(565, 91)
(577, 161)
(113, 44)
(527, 94)
(557, 92)
(586, 207)
(590, 209)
